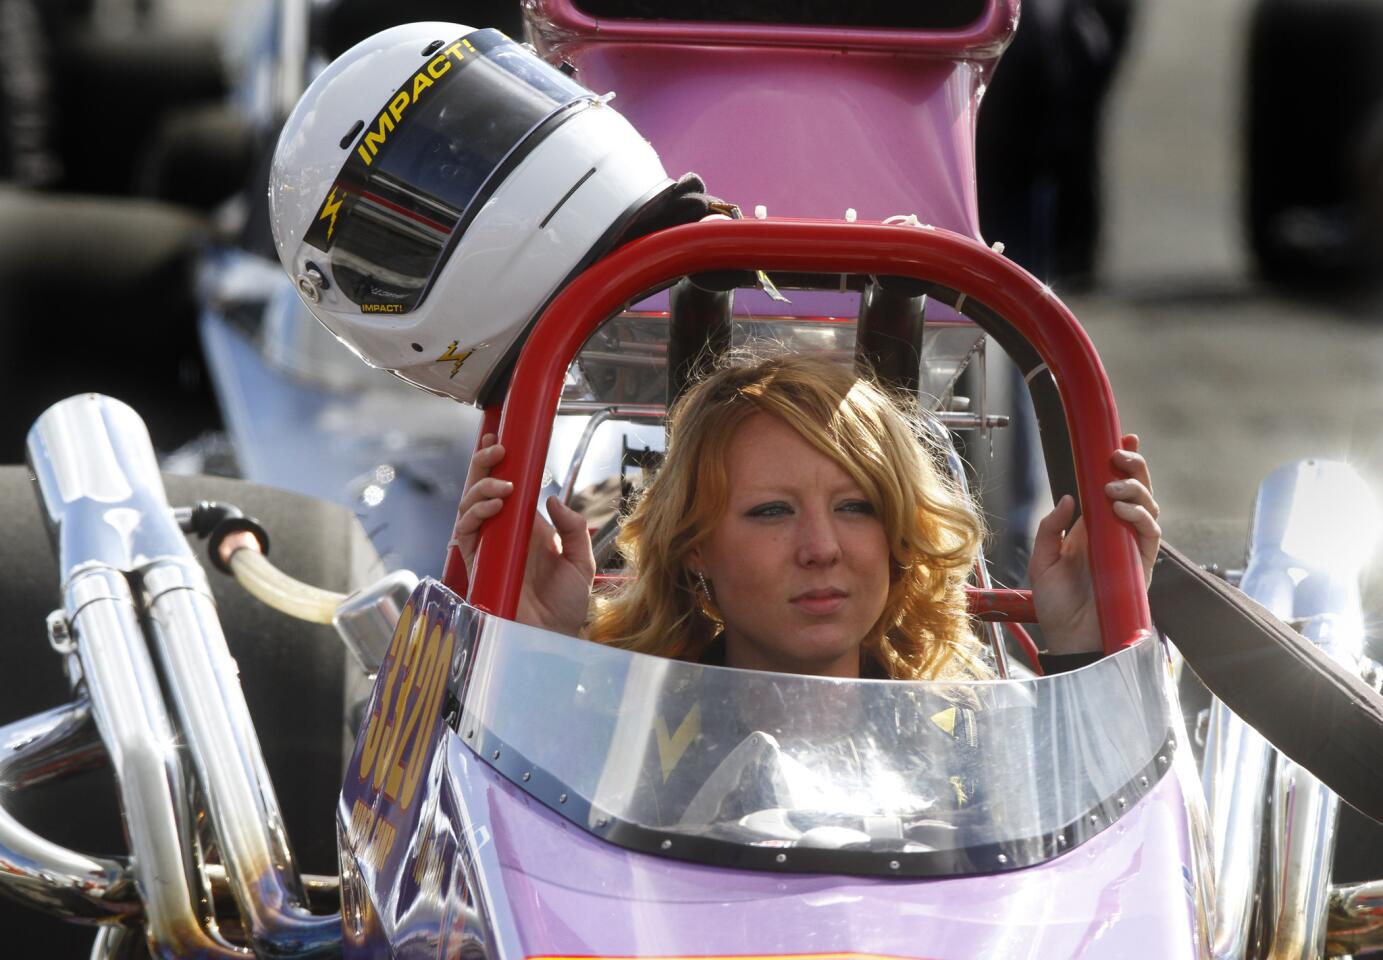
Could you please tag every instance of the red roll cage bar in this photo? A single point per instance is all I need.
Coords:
(811, 246)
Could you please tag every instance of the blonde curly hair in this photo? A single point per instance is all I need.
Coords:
(933, 529)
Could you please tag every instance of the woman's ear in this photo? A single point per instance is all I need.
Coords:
(693, 561)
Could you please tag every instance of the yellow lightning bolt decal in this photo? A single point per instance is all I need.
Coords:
(458, 358)
(329, 209)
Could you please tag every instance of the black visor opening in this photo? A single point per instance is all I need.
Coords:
(426, 161)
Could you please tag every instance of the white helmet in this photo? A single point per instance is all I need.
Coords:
(433, 189)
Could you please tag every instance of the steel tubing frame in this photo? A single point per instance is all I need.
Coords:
(810, 246)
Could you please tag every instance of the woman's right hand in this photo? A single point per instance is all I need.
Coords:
(557, 577)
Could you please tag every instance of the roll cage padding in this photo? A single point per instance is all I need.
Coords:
(1313, 709)
(1019, 306)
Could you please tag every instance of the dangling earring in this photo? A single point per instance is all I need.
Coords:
(705, 602)
(701, 579)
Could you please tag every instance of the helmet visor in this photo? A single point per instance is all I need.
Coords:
(422, 167)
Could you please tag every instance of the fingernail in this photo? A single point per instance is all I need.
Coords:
(1114, 486)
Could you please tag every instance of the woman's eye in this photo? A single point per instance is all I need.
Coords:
(858, 506)
(768, 510)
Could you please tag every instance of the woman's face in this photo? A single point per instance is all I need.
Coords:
(799, 563)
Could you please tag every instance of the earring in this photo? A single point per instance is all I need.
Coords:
(705, 603)
(701, 579)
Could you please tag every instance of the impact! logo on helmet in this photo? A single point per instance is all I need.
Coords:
(433, 189)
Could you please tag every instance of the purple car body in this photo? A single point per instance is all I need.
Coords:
(522, 834)
(485, 814)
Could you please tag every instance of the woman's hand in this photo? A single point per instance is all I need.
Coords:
(1059, 569)
(557, 578)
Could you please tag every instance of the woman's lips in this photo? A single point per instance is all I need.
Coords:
(819, 602)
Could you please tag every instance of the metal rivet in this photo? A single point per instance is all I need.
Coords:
(527, 776)
(894, 864)
(433, 47)
(1094, 818)
(469, 734)
(1122, 803)
(1061, 839)
(1143, 781)
(308, 289)
(666, 844)
(562, 798)
(1003, 858)
(781, 858)
(602, 822)
(495, 754)
(1162, 760)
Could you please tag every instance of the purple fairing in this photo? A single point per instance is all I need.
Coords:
(805, 133)
(803, 130)
(805, 121)
(553, 890)
(1121, 894)
(473, 865)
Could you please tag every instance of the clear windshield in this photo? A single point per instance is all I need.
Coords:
(781, 771)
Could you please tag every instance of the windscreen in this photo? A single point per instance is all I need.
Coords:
(777, 771)
(419, 166)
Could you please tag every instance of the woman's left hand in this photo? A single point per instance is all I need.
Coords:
(1059, 569)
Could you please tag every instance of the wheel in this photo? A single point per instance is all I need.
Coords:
(1315, 96)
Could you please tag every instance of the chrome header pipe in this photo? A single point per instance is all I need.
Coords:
(1314, 530)
(106, 508)
(33, 870)
(1356, 919)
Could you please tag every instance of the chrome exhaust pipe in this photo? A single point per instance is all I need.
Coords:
(1234, 775)
(1315, 525)
(33, 870)
(1356, 918)
(109, 516)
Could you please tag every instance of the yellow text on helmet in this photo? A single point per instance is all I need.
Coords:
(409, 94)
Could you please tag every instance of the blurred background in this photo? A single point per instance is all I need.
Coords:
(1199, 181)
(1220, 257)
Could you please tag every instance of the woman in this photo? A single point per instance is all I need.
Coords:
(797, 525)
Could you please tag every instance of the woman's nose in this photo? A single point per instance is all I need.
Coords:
(818, 545)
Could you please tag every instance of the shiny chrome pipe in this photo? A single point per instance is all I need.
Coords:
(1356, 918)
(110, 518)
(1315, 527)
(34, 871)
(214, 717)
(583, 445)
(139, 738)
(1234, 775)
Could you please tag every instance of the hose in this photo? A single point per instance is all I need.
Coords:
(238, 545)
(271, 586)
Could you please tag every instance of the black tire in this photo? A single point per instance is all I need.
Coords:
(293, 675)
(1315, 94)
(99, 295)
